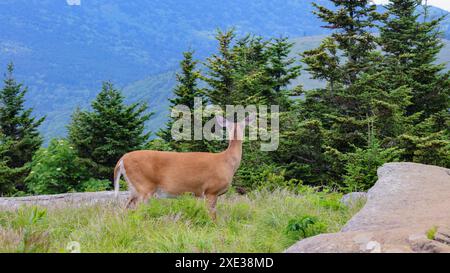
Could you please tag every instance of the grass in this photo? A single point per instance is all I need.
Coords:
(431, 233)
(262, 221)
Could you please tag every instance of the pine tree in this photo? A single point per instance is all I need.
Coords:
(111, 129)
(184, 94)
(19, 130)
(354, 98)
(7, 174)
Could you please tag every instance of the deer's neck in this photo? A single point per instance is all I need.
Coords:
(234, 151)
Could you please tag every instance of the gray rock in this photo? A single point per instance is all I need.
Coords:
(62, 200)
(353, 198)
(407, 201)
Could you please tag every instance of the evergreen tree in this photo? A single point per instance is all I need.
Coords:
(354, 99)
(250, 70)
(251, 82)
(220, 71)
(281, 69)
(184, 94)
(20, 138)
(323, 63)
(111, 129)
(7, 174)
(352, 21)
(302, 149)
(346, 103)
(411, 46)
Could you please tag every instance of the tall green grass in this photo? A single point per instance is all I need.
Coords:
(262, 221)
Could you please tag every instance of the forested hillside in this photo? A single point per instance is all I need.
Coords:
(63, 52)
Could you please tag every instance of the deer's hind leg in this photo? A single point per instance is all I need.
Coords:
(132, 202)
(143, 193)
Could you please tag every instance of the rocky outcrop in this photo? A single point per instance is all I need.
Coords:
(62, 200)
(407, 210)
(353, 198)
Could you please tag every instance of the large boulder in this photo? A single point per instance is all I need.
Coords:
(407, 210)
(353, 198)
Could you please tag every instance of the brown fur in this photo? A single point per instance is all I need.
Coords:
(203, 174)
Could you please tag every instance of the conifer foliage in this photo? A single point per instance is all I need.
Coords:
(19, 135)
(111, 129)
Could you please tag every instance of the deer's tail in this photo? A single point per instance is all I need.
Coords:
(118, 172)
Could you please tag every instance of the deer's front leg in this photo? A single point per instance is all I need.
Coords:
(212, 200)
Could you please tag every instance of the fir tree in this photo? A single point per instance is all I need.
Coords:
(19, 130)
(323, 63)
(251, 82)
(111, 129)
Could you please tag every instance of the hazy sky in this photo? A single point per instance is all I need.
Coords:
(443, 4)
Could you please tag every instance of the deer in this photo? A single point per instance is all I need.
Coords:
(162, 174)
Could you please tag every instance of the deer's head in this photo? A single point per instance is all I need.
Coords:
(235, 130)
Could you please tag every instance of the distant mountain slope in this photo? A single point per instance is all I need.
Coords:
(63, 52)
(128, 40)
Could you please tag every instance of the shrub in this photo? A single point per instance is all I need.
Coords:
(305, 226)
(264, 176)
(56, 169)
(93, 185)
(361, 166)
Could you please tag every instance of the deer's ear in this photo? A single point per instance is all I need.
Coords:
(222, 121)
(250, 118)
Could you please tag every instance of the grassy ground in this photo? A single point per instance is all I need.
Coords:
(261, 221)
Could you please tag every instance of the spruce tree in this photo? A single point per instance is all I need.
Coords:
(184, 94)
(354, 98)
(411, 46)
(352, 22)
(281, 69)
(343, 59)
(251, 80)
(248, 71)
(111, 129)
(220, 69)
(20, 138)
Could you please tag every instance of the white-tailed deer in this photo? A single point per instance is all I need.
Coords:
(169, 174)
